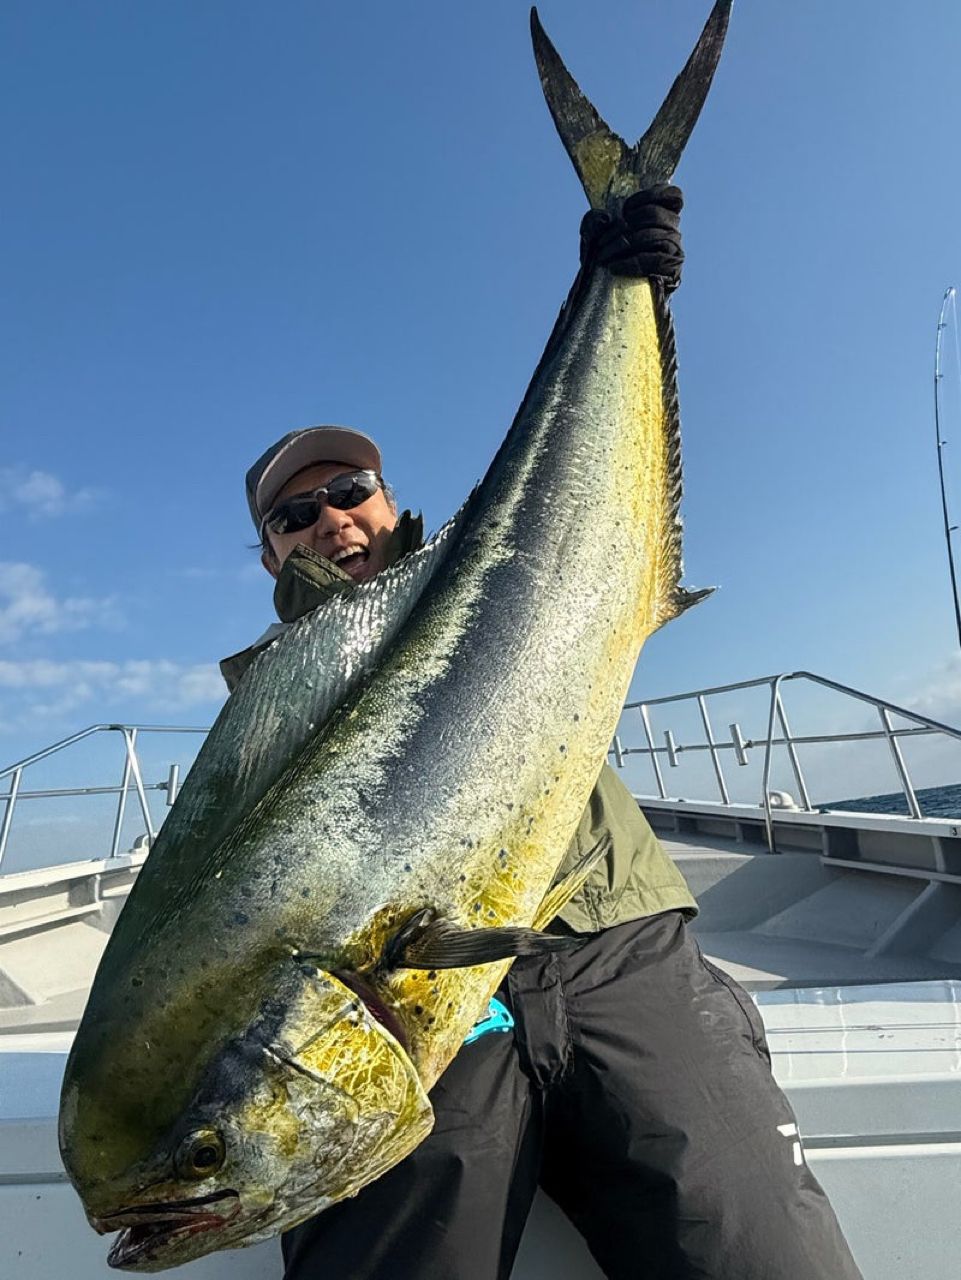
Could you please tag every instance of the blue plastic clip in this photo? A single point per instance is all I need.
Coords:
(499, 1018)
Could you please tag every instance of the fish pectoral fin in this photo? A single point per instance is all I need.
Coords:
(557, 898)
(427, 941)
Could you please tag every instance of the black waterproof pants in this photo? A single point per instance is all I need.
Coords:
(636, 1090)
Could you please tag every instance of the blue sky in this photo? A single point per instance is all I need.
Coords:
(225, 220)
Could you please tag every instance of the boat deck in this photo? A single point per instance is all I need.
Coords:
(889, 910)
(849, 899)
(789, 921)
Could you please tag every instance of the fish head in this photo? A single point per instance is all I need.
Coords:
(316, 1098)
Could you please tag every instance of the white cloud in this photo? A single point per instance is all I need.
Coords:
(38, 674)
(28, 607)
(52, 690)
(932, 759)
(939, 697)
(41, 494)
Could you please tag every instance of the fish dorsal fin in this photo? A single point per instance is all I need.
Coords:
(608, 168)
(284, 699)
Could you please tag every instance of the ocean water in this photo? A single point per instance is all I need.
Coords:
(935, 802)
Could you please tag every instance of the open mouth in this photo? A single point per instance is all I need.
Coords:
(147, 1228)
(354, 561)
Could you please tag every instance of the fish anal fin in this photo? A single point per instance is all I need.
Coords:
(557, 898)
(670, 598)
(679, 602)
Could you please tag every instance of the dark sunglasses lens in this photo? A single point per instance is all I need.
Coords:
(345, 492)
(294, 516)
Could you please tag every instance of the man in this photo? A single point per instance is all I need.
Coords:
(627, 1076)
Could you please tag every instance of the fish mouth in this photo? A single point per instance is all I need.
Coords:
(147, 1228)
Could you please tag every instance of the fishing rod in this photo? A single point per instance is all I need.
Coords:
(949, 528)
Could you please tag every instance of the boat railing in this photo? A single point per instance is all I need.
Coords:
(778, 735)
(131, 779)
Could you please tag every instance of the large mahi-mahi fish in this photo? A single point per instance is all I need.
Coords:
(368, 836)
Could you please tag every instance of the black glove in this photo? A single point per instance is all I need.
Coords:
(643, 240)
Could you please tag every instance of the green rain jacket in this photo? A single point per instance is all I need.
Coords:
(635, 879)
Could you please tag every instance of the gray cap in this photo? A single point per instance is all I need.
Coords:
(305, 448)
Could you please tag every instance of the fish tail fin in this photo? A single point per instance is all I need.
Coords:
(609, 169)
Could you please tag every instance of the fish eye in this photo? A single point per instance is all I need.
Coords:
(200, 1154)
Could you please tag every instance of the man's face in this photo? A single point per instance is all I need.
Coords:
(355, 540)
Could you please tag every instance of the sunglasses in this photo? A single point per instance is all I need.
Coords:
(303, 509)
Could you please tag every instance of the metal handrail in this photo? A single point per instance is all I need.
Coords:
(131, 770)
(776, 711)
(672, 749)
